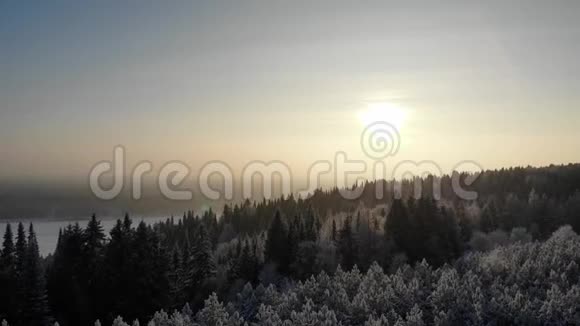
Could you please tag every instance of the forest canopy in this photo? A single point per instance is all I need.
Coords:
(510, 256)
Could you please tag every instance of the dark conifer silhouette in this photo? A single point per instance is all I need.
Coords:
(347, 244)
(8, 279)
(277, 246)
(35, 308)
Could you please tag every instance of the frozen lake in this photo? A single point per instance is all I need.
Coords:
(47, 230)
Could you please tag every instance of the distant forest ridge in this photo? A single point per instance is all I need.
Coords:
(58, 201)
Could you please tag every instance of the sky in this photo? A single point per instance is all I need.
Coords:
(495, 82)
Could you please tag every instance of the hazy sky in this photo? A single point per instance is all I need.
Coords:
(497, 82)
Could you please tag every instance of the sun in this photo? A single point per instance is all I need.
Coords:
(383, 111)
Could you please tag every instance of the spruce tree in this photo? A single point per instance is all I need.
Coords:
(8, 281)
(35, 309)
(93, 242)
(20, 256)
(488, 221)
(20, 249)
(277, 247)
(116, 274)
(399, 228)
(147, 272)
(176, 277)
(203, 264)
(347, 245)
(66, 283)
(8, 251)
(93, 236)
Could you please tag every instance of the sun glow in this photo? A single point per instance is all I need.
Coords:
(383, 111)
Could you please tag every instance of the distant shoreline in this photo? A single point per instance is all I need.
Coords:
(73, 219)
